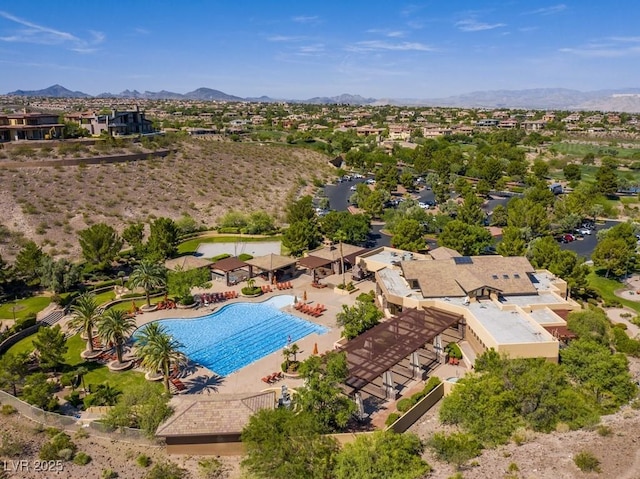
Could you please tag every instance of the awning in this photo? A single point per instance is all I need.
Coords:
(228, 264)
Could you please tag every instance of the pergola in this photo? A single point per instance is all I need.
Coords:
(373, 353)
(312, 263)
(228, 265)
(186, 263)
(270, 264)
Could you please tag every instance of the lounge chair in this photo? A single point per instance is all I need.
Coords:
(266, 379)
(178, 384)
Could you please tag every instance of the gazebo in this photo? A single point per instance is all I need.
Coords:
(312, 263)
(229, 265)
(186, 263)
(275, 265)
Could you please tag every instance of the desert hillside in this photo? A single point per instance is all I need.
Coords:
(204, 179)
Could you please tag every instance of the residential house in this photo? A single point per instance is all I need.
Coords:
(116, 123)
(30, 126)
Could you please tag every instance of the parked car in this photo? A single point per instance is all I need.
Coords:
(353, 188)
(583, 231)
(568, 238)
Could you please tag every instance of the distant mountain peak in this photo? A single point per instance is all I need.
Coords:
(54, 91)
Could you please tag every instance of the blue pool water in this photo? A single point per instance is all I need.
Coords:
(240, 333)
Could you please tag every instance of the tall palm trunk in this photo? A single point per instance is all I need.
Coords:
(342, 264)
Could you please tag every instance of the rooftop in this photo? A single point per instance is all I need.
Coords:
(545, 316)
(508, 327)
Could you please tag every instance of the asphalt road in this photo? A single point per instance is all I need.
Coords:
(340, 193)
(584, 247)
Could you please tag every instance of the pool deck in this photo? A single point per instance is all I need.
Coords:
(200, 380)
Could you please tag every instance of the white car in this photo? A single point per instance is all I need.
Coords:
(353, 188)
(584, 231)
(423, 205)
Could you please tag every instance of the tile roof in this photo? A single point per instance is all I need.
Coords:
(216, 416)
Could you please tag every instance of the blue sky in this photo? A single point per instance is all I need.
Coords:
(301, 49)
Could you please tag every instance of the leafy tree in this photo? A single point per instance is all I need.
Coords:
(322, 396)
(301, 236)
(499, 216)
(524, 213)
(406, 180)
(233, 219)
(606, 181)
(59, 276)
(591, 324)
(491, 171)
(163, 239)
(39, 392)
(133, 235)
(469, 212)
(100, 244)
(260, 222)
(408, 235)
(360, 317)
(301, 210)
(13, 370)
(148, 275)
(387, 177)
(510, 393)
(159, 351)
(572, 172)
(283, 444)
(114, 327)
(140, 407)
(466, 239)
(382, 455)
(103, 395)
(513, 243)
(51, 346)
(374, 202)
(179, 283)
(603, 374)
(28, 261)
(613, 255)
(85, 314)
(540, 169)
(355, 227)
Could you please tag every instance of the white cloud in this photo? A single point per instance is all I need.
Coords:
(387, 33)
(473, 25)
(306, 19)
(552, 10)
(42, 35)
(309, 50)
(612, 47)
(284, 38)
(373, 45)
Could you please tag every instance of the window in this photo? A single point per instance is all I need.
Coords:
(495, 276)
(505, 276)
(516, 276)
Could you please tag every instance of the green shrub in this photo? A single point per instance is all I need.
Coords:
(165, 470)
(109, 474)
(220, 256)
(457, 448)
(587, 462)
(59, 446)
(244, 256)
(453, 350)
(74, 398)
(416, 397)
(211, 468)
(7, 410)
(82, 459)
(229, 230)
(404, 404)
(143, 460)
(249, 291)
(10, 447)
(432, 383)
(393, 417)
(604, 430)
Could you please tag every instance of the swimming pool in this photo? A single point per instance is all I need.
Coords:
(240, 333)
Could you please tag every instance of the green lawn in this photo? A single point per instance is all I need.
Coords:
(606, 287)
(599, 150)
(105, 296)
(98, 373)
(190, 246)
(24, 307)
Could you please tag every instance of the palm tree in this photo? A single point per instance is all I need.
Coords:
(341, 236)
(294, 349)
(114, 328)
(86, 314)
(159, 351)
(148, 275)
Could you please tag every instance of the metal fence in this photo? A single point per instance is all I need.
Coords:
(69, 423)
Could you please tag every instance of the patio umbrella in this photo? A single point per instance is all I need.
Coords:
(133, 306)
(315, 348)
(304, 296)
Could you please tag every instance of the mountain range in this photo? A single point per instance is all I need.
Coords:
(624, 100)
